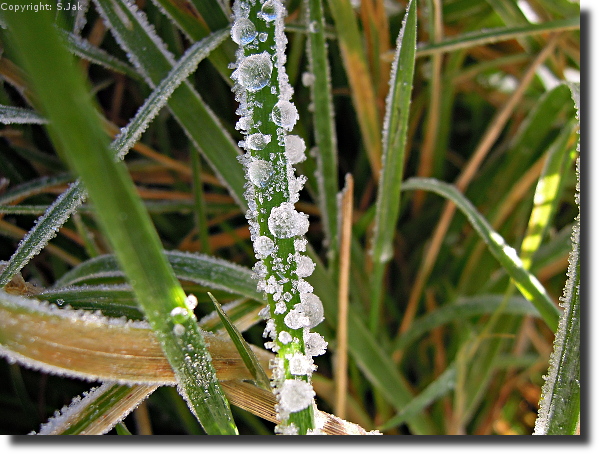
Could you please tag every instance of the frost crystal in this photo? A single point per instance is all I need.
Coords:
(180, 314)
(285, 222)
(263, 246)
(294, 149)
(284, 337)
(260, 172)
(315, 344)
(312, 307)
(243, 31)
(304, 266)
(296, 320)
(300, 364)
(254, 72)
(284, 114)
(295, 395)
(178, 330)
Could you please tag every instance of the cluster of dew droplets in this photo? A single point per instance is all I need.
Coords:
(259, 74)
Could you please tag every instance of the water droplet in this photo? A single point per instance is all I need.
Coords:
(285, 222)
(294, 148)
(284, 114)
(257, 141)
(254, 72)
(243, 31)
(269, 11)
(260, 172)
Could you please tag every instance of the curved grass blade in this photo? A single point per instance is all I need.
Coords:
(198, 268)
(559, 406)
(33, 187)
(74, 127)
(443, 384)
(464, 308)
(327, 177)
(528, 284)
(17, 115)
(60, 211)
(394, 142)
(481, 38)
(98, 411)
(94, 347)
(153, 61)
(249, 358)
(87, 51)
(361, 85)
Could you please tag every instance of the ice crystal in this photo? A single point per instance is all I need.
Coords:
(294, 148)
(254, 71)
(285, 222)
(295, 395)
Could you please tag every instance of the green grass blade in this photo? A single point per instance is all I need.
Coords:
(361, 84)
(443, 384)
(528, 284)
(74, 127)
(197, 268)
(249, 358)
(151, 58)
(463, 308)
(394, 142)
(60, 211)
(33, 187)
(85, 50)
(324, 127)
(98, 411)
(559, 406)
(481, 38)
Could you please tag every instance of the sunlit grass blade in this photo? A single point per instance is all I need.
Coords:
(74, 127)
(559, 406)
(481, 38)
(327, 178)
(394, 141)
(151, 58)
(361, 84)
(249, 358)
(443, 384)
(528, 284)
(60, 211)
(460, 310)
(198, 268)
(85, 50)
(98, 411)
(17, 115)
(94, 347)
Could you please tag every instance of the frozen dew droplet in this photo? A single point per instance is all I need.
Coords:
(312, 307)
(300, 244)
(262, 37)
(308, 79)
(284, 337)
(280, 308)
(178, 330)
(285, 222)
(294, 149)
(254, 72)
(257, 141)
(243, 31)
(315, 344)
(284, 114)
(295, 395)
(268, 11)
(191, 302)
(304, 266)
(296, 320)
(180, 314)
(263, 246)
(260, 172)
(300, 364)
